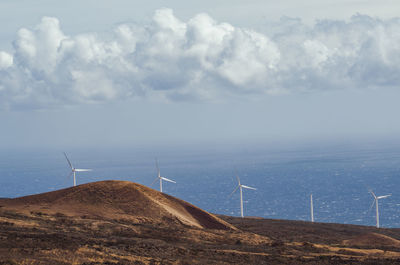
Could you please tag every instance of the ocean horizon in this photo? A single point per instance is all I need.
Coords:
(339, 178)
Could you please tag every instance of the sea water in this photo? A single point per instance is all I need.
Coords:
(338, 178)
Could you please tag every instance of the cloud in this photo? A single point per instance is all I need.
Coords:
(6, 60)
(200, 59)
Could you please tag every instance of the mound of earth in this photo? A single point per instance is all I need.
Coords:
(372, 240)
(118, 200)
(114, 222)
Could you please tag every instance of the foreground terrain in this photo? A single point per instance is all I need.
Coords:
(115, 222)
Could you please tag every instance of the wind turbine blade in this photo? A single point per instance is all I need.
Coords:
(233, 180)
(373, 194)
(82, 169)
(247, 187)
(158, 169)
(69, 162)
(237, 176)
(154, 181)
(372, 205)
(167, 179)
(234, 191)
(70, 174)
(67, 179)
(238, 179)
(384, 196)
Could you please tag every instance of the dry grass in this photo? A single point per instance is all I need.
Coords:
(116, 199)
(125, 223)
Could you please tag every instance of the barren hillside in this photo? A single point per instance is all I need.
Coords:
(119, 222)
(117, 199)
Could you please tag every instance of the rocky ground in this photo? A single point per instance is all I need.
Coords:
(43, 229)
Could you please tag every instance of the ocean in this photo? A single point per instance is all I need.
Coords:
(338, 177)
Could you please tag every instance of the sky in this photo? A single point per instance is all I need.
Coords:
(128, 73)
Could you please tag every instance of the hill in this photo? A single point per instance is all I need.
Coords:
(372, 240)
(119, 222)
(117, 199)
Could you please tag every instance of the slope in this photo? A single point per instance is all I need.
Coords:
(118, 200)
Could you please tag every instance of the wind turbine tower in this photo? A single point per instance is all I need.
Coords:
(312, 208)
(241, 187)
(74, 170)
(376, 201)
(160, 178)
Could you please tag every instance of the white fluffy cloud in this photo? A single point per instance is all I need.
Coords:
(6, 60)
(198, 59)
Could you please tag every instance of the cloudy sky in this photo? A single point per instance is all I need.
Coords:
(115, 73)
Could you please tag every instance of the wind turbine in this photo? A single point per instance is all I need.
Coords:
(160, 178)
(241, 187)
(376, 199)
(312, 208)
(74, 169)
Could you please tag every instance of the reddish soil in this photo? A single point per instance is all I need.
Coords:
(117, 199)
(372, 239)
(119, 222)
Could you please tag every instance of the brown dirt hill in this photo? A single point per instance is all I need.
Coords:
(118, 200)
(372, 240)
